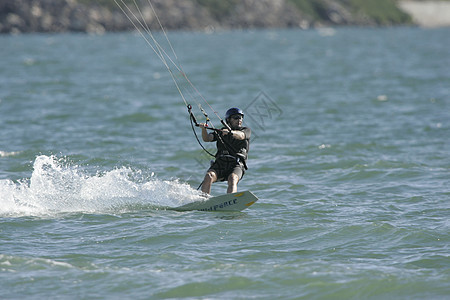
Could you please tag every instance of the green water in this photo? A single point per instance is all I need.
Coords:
(349, 157)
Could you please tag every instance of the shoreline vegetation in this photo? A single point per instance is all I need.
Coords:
(99, 16)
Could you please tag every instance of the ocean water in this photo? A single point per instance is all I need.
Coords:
(350, 158)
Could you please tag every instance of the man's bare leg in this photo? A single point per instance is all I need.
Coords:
(210, 178)
(233, 180)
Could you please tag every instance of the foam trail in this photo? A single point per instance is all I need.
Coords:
(55, 187)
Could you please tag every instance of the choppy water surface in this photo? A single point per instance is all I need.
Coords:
(349, 157)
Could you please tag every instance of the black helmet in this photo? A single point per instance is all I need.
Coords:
(233, 111)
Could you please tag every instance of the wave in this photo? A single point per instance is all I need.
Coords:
(6, 154)
(57, 186)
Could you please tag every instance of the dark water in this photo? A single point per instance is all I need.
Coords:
(349, 157)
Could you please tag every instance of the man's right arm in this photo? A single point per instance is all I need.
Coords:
(207, 137)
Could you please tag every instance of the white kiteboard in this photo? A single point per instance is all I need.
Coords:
(228, 202)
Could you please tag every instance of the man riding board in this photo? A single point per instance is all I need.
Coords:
(232, 151)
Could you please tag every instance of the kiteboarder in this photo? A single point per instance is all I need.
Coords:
(232, 151)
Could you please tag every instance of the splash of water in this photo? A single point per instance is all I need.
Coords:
(58, 187)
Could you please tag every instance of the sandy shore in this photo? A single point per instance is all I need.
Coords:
(428, 13)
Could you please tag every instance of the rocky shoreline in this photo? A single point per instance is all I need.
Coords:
(21, 16)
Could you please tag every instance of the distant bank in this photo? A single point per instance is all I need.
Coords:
(98, 16)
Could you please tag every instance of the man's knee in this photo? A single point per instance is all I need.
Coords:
(211, 176)
(233, 178)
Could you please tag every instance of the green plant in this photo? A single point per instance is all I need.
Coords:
(219, 9)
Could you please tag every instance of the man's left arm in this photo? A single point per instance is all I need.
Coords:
(239, 134)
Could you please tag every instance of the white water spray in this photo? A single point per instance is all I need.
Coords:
(57, 187)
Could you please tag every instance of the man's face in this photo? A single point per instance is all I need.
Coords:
(236, 121)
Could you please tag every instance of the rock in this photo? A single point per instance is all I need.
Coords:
(429, 13)
(263, 14)
(337, 13)
(14, 20)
